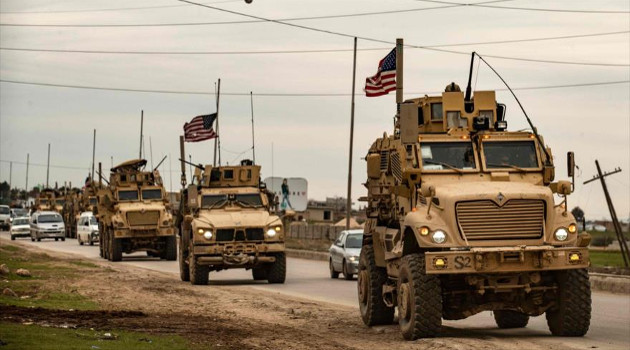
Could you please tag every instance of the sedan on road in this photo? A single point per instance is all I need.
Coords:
(20, 227)
(344, 254)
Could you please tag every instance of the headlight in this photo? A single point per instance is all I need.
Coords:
(573, 228)
(271, 232)
(353, 258)
(207, 235)
(561, 234)
(439, 236)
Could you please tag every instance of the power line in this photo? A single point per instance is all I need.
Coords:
(44, 165)
(109, 9)
(290, 94)
(306, 51)
(526, 8)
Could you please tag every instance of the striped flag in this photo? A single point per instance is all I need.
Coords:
(200, 128)
(385, 79)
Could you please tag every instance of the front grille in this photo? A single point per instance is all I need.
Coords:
(255, 234)
(137, 218)
(239, 236)
(225, 234)
(516, 219)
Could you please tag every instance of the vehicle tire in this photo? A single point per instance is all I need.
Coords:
(91, 242)
(571, 316)
(39, 239)
(32, 239)
(116, 249)
(80, 241)
(510, 319)
(56, 239)
(370, 281)
(12, 237)
(171, 248)
(199, 274)
(333, 274)
(348, 276)
(63, 239)
(277, 271)
(259, 273)
(184, 269)
(419, 299)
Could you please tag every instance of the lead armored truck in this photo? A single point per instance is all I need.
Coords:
(462, 219)
(134, 214)
(226, 222)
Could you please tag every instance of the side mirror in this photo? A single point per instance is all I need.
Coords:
(192, 197)
(427, 190)
(570, 164)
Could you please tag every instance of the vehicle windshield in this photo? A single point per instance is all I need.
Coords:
(510, 154)
(93, 221)
(20, 222)
(43, 201)
(93, 201)
(20, 212)
(60, 201)
(354, 240)
(213, 200)
(153, 193)
(128, 195)
(248, 199)
(49, 218)
(447, 155)
(4, 210)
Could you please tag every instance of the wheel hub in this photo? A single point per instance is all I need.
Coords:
(403, 300)
(362, 285)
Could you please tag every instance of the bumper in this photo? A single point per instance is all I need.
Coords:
(58, 234)
(506, 259)
(144, 232)
(237, 254)
(21, 234)
(93, 237)
(352, 267)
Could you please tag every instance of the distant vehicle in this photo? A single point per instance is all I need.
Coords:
(344, 254)
(87, 228)
(20, 227)
(5, 217)
(47, 224)
(19, 212)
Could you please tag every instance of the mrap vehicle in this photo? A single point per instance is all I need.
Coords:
(462, 219)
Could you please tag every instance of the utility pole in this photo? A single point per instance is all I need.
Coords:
(48, 166)
(623, 245)
(93, 155)
(10, 177)
(349, 198)
(141, 125)
(27, 162)
(251, 99)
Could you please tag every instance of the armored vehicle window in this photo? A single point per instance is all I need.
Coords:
(354, 240)
(93, 201)
(43, 201)
(445, 155)
(212, 200)
(127, 195)
(436, 112)
(228, 174)
(154, 193)
(249, 199)
(61, 201)
(510, 154)
(49, 218)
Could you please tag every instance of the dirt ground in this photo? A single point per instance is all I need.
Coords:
(231, 317)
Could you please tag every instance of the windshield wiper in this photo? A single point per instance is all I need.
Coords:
(215, 205)
(443, 164)
(506, 165)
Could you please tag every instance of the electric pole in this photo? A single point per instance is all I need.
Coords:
(623, 245)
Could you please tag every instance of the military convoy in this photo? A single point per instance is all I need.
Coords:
(226, 222)
(462, 219)
(134, 214)
(49, 200)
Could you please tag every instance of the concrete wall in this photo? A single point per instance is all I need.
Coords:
(304, 231)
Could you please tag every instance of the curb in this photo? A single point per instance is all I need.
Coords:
(618, 284)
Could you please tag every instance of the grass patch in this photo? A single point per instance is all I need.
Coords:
(10, 248)
(606, 258)
(85, 264)
(17, 336)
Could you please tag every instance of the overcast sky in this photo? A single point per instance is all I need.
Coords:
(308, 134)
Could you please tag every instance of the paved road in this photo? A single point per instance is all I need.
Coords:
(610, 324)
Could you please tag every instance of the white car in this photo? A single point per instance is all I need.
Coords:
(20, 227)
(87, 228)
(47, 224)
(344, 254)
(5, 217)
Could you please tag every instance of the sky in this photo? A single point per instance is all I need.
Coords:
(302, 136)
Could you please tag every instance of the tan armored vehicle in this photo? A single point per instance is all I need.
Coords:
(225, 222)
(462, 219)
(134, 214)
(49, 200)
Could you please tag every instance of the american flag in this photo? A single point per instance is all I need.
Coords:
(200, 128)
(385, 79)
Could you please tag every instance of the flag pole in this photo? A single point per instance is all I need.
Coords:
(141, 124)
(251, 98)
(399, 72)
(349, 199)
(218, 136)
(216, 100)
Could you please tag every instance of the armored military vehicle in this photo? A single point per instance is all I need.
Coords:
(77, 202)
(462, 219)
(134, 213)
(49, 200)
(226, 222)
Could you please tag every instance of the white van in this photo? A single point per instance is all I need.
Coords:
(87, 228)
